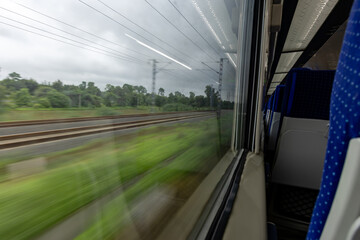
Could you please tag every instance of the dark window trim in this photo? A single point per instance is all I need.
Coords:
(289, 8)
(254, 74)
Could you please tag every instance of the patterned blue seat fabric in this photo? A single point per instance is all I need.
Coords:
(344, 120)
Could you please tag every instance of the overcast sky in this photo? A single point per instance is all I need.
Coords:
(122, 59)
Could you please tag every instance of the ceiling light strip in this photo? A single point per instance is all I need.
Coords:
(157, 51)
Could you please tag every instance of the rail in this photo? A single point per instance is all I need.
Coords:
(17, 140)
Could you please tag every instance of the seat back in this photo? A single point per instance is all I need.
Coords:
(268, 111)
(302, 140)
(344, 126)
(275, 117)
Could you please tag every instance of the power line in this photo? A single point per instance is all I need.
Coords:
(79, 29)
(69, 39)
(55, 39)
(199, 70)
(192, 26)
(210, 67)
(167, 71)
(125, 55)
(206, 73)
(185, 74)
(122, 15)
(124, 26)
(187, 37)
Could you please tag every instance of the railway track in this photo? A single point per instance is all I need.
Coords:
(85, 119)
(23, 139)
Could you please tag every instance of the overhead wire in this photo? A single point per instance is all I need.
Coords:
(79, 29)
(192, 26)
(186, 75)
(127, 28)
(74, 35)
(205, 73)
(69, 39)
(55, 39)
(142, 28)
(173, 74)
(179, 30)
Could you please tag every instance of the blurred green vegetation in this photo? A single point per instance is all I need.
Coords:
(18, 93)
(74, 178)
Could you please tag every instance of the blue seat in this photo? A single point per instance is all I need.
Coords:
(344, 120)
(268, 111)
(275, 116)
(302, 141)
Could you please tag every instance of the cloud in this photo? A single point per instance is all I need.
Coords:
(46, 59)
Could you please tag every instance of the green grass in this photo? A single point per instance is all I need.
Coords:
(30, 205)
(112, 219)
(21, 114)
(29, 113)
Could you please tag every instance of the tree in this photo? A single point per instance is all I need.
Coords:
(2, 93)
(58, 86)
(210, 95)
(13, 82)
(110, 99)
(192, 99)
(44, 91)
(14, 76)
(43, 102)
(92, 89)
(74, 93)
(200, 101)
(89, 100)
(160, 100)
(58, 100)
(171, 98)
(2, 97)
(58, 95)
(180, 98)
(22, 97)
(161, 92)
(128, 90)
(82, 86)
(140, 90)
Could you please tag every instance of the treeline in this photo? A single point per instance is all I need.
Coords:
(16, 91)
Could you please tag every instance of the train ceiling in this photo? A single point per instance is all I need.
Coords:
(305, 27)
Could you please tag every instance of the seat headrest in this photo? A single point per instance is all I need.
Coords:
(308, 93)
(278, 98)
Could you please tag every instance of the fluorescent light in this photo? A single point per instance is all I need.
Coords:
(231, 59)
(157, 51)
(196, 5)
(287, 61)
(309, 16)
(217, 20)
(274, 85)
(270, 91)
(278, 77)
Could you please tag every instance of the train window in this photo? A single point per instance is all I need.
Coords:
(118, 119)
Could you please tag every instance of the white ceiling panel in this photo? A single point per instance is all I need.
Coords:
(278, 77)
(308, 18)
(287, 61)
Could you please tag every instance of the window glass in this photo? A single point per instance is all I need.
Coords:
(112, 113)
